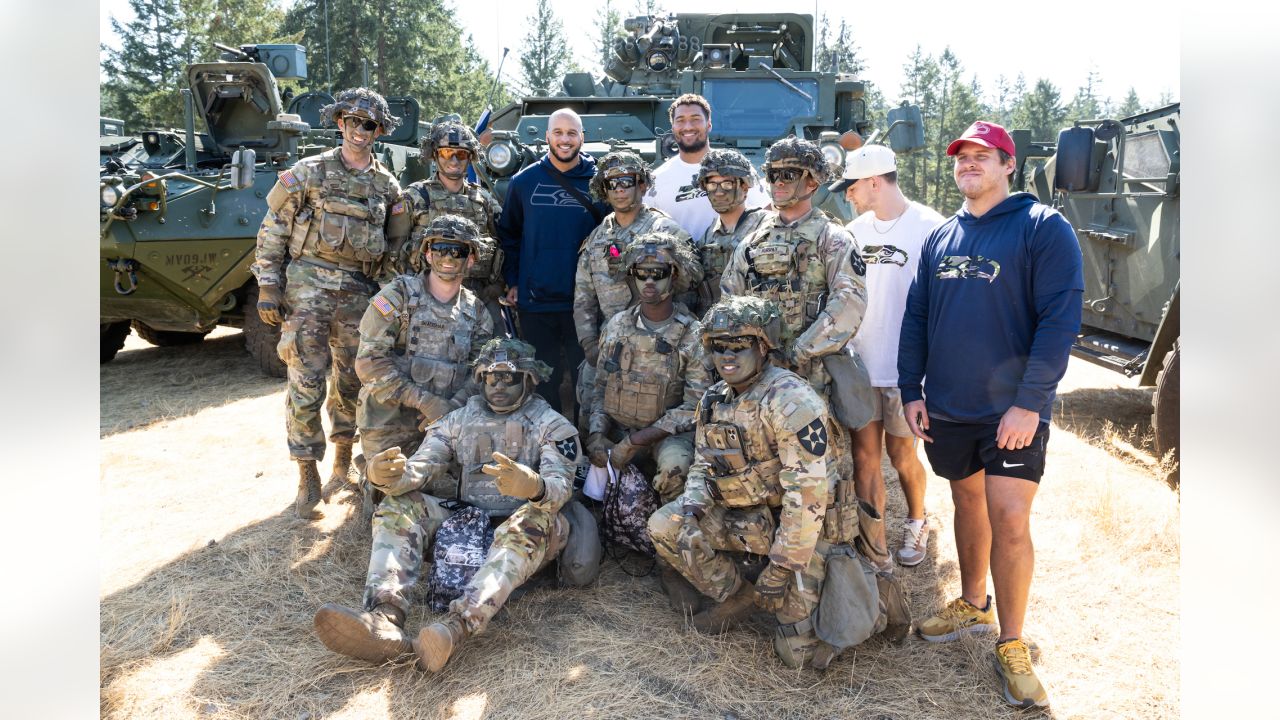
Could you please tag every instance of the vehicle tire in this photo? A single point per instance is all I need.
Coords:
(1165, 406)
(166, 338)
(260, 339)
(110, 339)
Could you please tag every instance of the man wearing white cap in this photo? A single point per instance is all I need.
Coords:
(890, 230)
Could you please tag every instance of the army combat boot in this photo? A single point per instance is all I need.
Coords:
(683, 597)
(437, 642)
(308, 491)
(341, 461)
(734, 609)
(376, 636)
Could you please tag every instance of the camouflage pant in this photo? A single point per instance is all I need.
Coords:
(522, 546)
(403, 528)
(672, 458)
(702, 553)
(318, 343)
(383, 425)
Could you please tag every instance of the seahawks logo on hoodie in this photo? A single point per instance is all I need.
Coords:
(966, 267)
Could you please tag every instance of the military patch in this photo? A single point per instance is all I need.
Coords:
(290, 181)
(855, 259)
(568, 448)
(813, 437)
(383, 306)
(398, 208)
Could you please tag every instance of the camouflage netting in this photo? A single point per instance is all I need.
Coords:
(743, 315)
(450, 133)
(794, 152)
(511, 355)
(618, 162)
(726, 162)
(362, 102)
(660, 247)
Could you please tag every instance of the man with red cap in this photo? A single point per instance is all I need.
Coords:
(999, 285)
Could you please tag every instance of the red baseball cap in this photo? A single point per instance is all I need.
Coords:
(984, 133)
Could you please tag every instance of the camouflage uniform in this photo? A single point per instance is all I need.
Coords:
(330, 219)
(717, 245)
(651, 378)
(763, 478)
(410, 344)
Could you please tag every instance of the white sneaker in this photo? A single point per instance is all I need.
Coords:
(914, 543)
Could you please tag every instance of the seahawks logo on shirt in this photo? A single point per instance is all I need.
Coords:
(967, 267)
(690, 191)
(813, 437)
(884, 255)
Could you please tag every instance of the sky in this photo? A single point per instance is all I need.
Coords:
(1128, 45)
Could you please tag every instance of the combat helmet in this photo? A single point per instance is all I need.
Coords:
(727, 162)
(618, 162)
(361, 102)
(743, 315)
(663, 247)
(511, 355)
(794, 152)
(454, 228)
(450, 133)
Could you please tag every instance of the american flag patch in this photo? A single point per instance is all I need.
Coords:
(397, 208)
(289, 180)
(383, 306)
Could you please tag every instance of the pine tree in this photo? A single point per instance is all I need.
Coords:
(544, 55)
(608, 27)
(957, 108)
(1131, 105)
(1085, 105)
(837, 52)
(1041, 112)
(920, 87)
(144, 75)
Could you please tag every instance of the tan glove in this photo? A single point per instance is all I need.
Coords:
(771, 587)
(598, 449)
(385, 468)
(513, 479)
(432, 406)
(270, 297)
(623, 453)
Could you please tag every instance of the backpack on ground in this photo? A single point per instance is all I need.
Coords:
(462, 542)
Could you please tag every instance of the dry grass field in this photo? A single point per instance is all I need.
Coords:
(209, 585)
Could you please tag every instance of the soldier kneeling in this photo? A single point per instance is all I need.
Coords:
(506, 451)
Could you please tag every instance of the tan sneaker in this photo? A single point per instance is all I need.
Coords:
(915, 543)
(1018, 681)
(957, 618)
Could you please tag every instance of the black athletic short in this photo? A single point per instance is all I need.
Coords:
(959, 450)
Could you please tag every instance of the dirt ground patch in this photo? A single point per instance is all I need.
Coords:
(209, 586)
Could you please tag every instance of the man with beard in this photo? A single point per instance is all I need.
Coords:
(999, 285)
(726, 176)
(676, 190)
(328, 213)
(545, 217)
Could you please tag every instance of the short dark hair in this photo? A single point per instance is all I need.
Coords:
(689, 99)
(891, 177)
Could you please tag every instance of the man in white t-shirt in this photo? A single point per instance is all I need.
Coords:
(890, 230)
(675, 189)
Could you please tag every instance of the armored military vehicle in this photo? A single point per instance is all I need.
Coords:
(756, 70)
(180, 210)
(1117, 182)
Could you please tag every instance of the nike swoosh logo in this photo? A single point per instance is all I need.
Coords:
(1006, 463)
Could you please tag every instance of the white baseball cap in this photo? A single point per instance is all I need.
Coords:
(867, 161)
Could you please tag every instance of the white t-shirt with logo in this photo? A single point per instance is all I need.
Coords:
(676, 192)
(891, 251)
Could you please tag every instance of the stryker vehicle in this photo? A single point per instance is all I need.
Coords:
(756, 70)
(180, 211)
(1117, 182)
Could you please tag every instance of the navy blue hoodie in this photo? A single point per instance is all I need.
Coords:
(992, 313)
(540, 230)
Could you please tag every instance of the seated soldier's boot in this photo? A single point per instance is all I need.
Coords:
(823, 655)
(341, 462)
(437, 642)
(376, 636)
(304, 506)
(683, 597)
(735, 608)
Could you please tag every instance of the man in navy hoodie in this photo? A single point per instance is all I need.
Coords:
(988, 328)
(542, 224)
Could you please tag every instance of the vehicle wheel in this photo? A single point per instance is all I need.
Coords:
(1165, 404)
(110, 339)
(260, 339)
(167, 338)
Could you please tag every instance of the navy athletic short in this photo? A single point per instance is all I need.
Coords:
(959, 450)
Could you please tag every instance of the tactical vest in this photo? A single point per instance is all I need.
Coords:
(470, 204)
(604, 261)
(743, 469)
(642, 373)
(437, 348)
(783, 266)
(345, 213)
(487, 433)
(715, 253)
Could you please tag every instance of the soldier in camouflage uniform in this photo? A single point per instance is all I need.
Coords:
(726, 175)
(417, 340)
(650, 372)
(327, 213)
(505, 451)
(760, 484)
(453, 147)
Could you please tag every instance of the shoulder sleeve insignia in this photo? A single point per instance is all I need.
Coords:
(813, 437)
(568, 448)
(398, 208)
(290, 181)
(855, 259)
(383, 305)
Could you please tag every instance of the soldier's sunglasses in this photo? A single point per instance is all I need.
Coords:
(500, 377)
(452, 153)
(643, 274)
(451, 249)
(364, 123)
(720, 185)
(622, 182)
(732, 344)
(784, 174)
